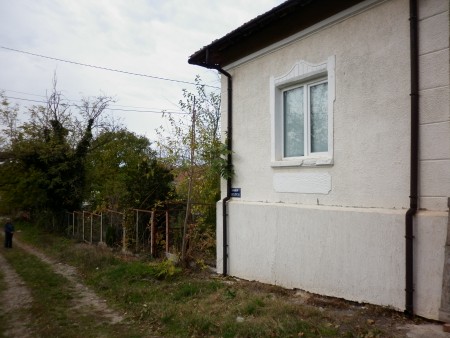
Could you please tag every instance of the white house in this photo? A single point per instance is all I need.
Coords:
(336, 113)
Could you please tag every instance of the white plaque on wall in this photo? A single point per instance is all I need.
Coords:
(302, 183)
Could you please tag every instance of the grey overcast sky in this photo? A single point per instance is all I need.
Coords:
(153, 37)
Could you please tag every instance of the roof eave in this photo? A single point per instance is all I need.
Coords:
(268, 28)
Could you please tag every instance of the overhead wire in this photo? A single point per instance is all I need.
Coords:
(163, 111)
(112, 109)
(104, 68)
(71, 100)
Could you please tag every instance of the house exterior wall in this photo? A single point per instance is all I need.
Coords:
(371, 112)
(434, 104)
(349, 241)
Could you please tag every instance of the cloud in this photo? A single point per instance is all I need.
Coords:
(153, 37)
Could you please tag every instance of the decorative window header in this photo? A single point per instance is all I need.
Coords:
(301, 71)
(302, 115)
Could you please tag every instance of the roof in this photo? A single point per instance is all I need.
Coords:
(281, 22)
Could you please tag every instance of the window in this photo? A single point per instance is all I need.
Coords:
(302, 107)
(305, 120)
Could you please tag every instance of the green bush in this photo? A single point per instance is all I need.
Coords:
(165, 269)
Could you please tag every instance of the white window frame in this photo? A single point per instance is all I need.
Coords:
(301, 74)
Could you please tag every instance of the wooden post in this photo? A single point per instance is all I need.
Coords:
(83, 225)
(101, 227)
(152, 235)
(137, 230)
(167, 230)
(124, 237)
(191, 178)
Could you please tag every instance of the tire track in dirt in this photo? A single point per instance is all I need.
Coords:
(16, 297)
(85, 300)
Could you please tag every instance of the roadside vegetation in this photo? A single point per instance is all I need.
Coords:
(160, 299)
(51, 312)
(60, 157)
(2, 317)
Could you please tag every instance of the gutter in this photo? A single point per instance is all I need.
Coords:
(229, 167)
(414, 160)
(229, 133)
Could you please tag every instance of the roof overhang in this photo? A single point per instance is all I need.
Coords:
(279, 23)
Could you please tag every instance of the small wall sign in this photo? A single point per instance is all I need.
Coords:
(236, 192)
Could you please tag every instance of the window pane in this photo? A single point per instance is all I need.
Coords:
(319, 117)
(293, 122)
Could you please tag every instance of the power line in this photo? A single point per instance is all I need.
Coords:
(70, 100)
(23, 99)
(14, 91)
(112, 109)
(104, 68)
(151, 111)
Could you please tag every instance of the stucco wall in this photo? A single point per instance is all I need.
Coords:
(352, 253)
(348, 242)
(434, 104)
(371, 112)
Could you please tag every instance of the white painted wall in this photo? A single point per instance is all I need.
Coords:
(434, 104)
(352, 253)
(371, 125)
(348, 241)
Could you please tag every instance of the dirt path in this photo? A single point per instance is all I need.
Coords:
(16, 298)
(13, 300)
(86, 299)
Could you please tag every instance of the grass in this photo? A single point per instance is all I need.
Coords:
(60, 319)
(162, 301)
(2, 316)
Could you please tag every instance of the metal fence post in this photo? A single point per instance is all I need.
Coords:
(83, 225)
(124, 237)
(167, 230)
(92, 220)
(137, 230)
(152, 234)
(101, 227)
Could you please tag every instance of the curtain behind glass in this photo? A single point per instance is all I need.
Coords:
(319, 117)
(294, 122)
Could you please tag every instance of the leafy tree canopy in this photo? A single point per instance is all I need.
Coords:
(198, 130)
(43, 165)
(125, 173)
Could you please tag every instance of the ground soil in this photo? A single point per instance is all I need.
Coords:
(86, 297)
(16, 297)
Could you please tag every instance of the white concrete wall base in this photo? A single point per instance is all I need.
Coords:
(352, 253)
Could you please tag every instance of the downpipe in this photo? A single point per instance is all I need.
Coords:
(414, 164)
(225, 200)
(229, 168)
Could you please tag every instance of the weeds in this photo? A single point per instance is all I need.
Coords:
(2, 317)
(61, 319)
(165, 301)
(165, 269)
(253, 307)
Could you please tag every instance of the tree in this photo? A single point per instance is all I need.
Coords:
(8, 118)
(175, 144)
(46, 167)
(125, 173)
(193, 148)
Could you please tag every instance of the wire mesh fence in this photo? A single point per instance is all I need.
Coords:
(156, 232)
